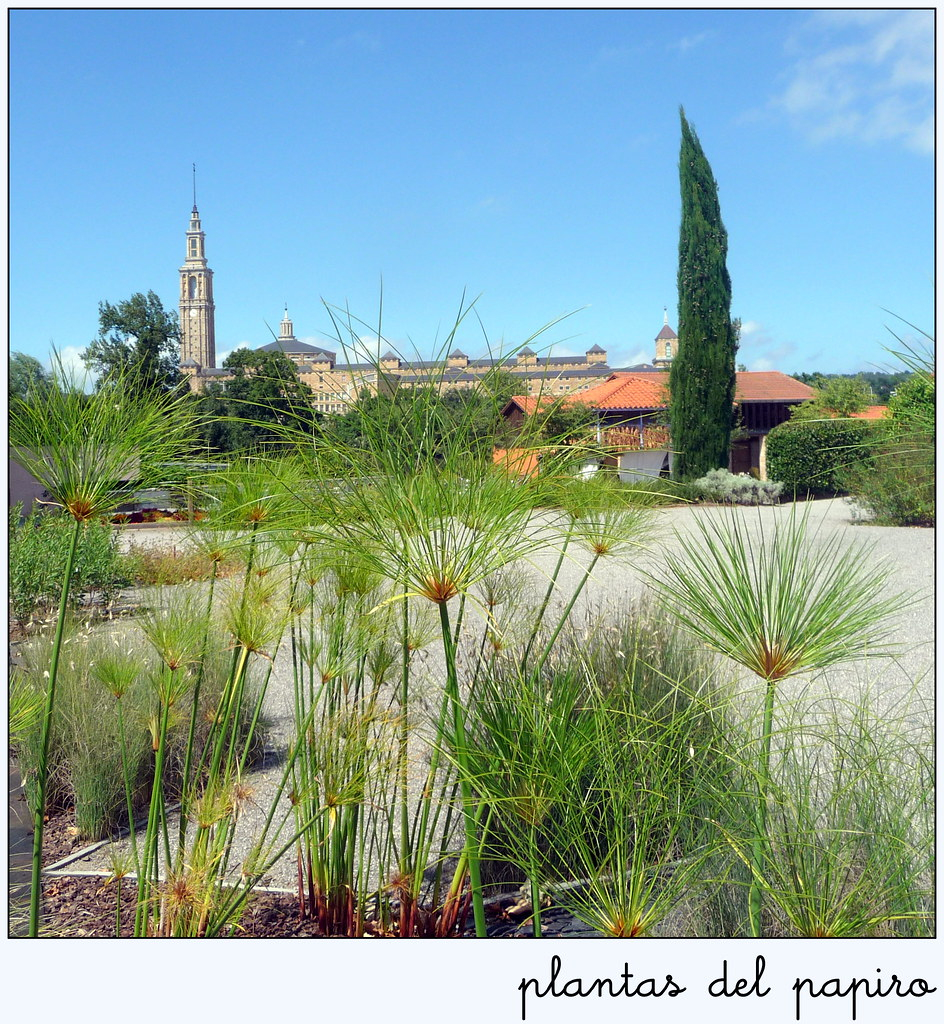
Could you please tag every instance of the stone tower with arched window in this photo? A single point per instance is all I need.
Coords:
(197, 332)
(666, 344)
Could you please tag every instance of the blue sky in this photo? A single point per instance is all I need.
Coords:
(526, 157)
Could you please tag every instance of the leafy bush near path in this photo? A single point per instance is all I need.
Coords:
(38, 547)
(738, 488)
(811, 458)
(898, 485)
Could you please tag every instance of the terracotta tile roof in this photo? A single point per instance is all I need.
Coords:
(769, 386)
(516, 460)
(639, 391)
(528, 404)
(629, 391)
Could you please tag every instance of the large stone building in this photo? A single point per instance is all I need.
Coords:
(337, 383)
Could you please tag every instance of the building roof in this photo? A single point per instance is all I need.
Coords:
(629, 391)
(623, 391)
(528, 404)
(596, 350)
(666, 334)
(874, 412)
(457, 353)
(295, 346)
(769, 386)
(521, 461)
(355, 366)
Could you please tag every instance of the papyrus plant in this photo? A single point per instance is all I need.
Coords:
(781, 600)
(90, 452)
(850, 831)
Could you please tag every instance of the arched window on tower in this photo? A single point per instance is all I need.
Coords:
(193, 287)
(668, 347)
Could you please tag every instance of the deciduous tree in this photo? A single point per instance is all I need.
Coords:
(24, 371)
(263, 390)
(139, 340)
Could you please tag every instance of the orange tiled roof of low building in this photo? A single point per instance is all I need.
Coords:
(530, 403)
(629, 391)
(769, 386)
(874, 412)
(650, 390)
(522, 461)
(623, 390)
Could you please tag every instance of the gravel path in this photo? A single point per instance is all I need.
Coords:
(895, 685)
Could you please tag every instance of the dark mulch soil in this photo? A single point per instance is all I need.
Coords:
(85, 907)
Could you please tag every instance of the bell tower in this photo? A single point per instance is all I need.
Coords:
(197, 331)
(666, 344)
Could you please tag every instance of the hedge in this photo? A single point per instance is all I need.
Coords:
(810, 457)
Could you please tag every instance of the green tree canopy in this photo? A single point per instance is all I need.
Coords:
(836, 396)
(702, 377)
(569, 422)
(26, 371)
(423, 423)
(139, 339)
(264, 393)
(913, 402)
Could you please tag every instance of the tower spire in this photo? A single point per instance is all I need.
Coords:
(197, 329)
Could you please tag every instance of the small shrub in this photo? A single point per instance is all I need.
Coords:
(898, 486)
(738, 488)
(38, 547)
(85, 750)
(166, 566)
(619, 714)
(85, 756)
(810, 457)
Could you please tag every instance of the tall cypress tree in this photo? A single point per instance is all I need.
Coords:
(702, 375)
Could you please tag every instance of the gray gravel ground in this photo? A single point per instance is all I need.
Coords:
(899, 686)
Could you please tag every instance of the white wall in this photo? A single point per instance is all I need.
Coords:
(645, 465)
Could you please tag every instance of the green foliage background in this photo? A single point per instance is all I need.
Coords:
(38, 547)
(812, 457)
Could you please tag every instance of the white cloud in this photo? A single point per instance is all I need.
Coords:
(759, 351)
(641, 355)
(221, 356)
(70, 359)
(690, 42)
(368, 348)
(863, 75)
